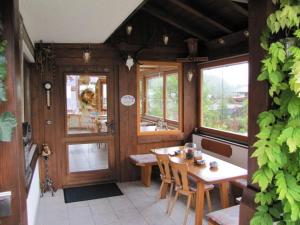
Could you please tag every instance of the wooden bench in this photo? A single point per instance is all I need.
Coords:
(145, 161)
(241, 183)
(228, 216)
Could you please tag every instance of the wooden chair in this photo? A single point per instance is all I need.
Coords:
(182, 186)
(163, 162)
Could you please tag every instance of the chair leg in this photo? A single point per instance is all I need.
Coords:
(173, 203)
(170, 197)
(208, 201)
(187, 209)
(160, 190)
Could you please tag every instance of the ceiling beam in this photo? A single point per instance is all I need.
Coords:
(238, 8)
(172, 21)
(228, 40)
(196, 13)
(241, 1)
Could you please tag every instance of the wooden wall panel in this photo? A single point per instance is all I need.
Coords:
(258, 97)
(11, 153)
(68, 55)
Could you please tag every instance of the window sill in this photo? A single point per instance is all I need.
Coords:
(163, 136)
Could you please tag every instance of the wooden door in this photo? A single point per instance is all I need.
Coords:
(88, 146)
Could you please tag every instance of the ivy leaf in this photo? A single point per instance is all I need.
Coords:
(286, 133)
(3, 97)
(297, 33)
(287, 65)
(3, 71)
(277, 51)
(275, 212)
(262, 217)
(263, 177)
(295, 79)
(266, 119)
(285, 98)
(294, 106)
(265, 198)
(264, 75)
(276, 77)
(3, 45)
(7, 124)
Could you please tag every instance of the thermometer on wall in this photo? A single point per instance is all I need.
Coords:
(48, 86)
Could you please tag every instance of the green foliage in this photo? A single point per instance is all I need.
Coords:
(277, 149)
(7, 124)
(7, 120)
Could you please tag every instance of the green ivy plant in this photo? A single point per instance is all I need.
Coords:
(7, 120)
(277, 149)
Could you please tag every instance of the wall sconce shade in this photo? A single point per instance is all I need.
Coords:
(129, 62)
(129, 29)
(86, 56)
(165, 39)
(190, 75)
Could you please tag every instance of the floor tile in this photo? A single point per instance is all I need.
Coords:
(138, 206)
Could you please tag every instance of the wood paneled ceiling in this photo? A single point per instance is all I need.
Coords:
(216, 23)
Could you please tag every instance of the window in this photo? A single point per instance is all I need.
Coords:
(224, 99)
(159, 97)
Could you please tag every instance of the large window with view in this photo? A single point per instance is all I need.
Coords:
(159, 97)
(224, 99)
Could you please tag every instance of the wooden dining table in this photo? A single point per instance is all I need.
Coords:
(224, 173)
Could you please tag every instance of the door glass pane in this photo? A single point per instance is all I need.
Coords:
(88, 157)
(86, 104)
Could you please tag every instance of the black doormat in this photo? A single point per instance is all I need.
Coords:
(77, 194)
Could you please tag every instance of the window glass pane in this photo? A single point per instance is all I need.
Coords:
(141, 96)
(88, 157)
(86, 104)
(104, 96)
(154, 96)
(172, 97)
(225, 98)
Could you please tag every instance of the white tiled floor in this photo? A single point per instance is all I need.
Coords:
(138, 206)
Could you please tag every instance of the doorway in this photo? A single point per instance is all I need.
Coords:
(89, 132)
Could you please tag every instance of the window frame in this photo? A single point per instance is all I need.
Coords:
(227, 135)
(144, 109)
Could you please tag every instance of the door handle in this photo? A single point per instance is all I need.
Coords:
(5, 204)
(111, 126)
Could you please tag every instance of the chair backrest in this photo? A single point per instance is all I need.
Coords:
(163, 162)
(180, 172)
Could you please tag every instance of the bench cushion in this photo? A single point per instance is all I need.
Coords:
(143, 159)
(228, 216)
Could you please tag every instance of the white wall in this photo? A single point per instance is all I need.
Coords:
(33, 198)
(239, 155)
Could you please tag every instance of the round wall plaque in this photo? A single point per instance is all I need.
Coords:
(127, 100)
